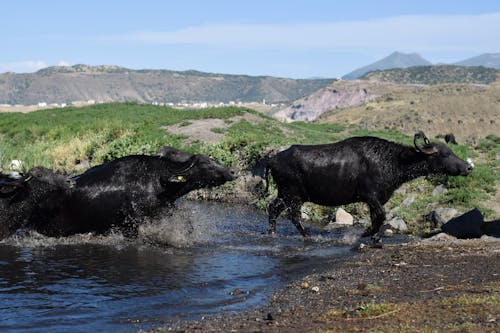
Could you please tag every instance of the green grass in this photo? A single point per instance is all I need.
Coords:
(374, 309)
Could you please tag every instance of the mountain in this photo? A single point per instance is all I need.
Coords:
(64, 84)
(491, 60)
(394, 60)
(435, 75)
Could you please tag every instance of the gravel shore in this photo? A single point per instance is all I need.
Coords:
(440, 285)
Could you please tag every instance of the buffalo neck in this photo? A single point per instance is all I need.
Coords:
(412, 164)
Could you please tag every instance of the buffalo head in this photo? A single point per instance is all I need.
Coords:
(194, 170)
(440, 157)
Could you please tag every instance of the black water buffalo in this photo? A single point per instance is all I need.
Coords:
(358, 169)
(119, 194)
(30, 197)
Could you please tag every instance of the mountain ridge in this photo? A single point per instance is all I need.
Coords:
(66, 84)
(405, 60)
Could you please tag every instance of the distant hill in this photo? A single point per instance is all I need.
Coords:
(491, 60)
(435, 75)
(394, 60)
(64, 84)
(470, 111)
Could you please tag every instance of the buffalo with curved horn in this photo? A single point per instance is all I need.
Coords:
(358, 169)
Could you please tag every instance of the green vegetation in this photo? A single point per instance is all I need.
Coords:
(62, 138)
(435, 75)
(374, 309)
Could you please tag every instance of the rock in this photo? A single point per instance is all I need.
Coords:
(401, 189)
(343, 217)
(360, 247)
(397, 224)
(441, 237)
(390, 214)
(315, 289)
(468, 225)
(388, 232)
(236, 292)
(304, 285)
(439, 189)
(409, 200)
(440, 216)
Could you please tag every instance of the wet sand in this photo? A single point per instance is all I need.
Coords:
(423, 286)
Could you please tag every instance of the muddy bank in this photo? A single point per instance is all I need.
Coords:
(446, 286)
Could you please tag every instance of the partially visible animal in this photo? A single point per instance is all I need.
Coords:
(359, 169)
(450, 138)
(119, 194)
(30, 197)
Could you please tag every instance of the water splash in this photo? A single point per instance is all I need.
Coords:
(185, 226)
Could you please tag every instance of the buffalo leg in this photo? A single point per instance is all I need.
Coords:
(377, 216)
(295, 218)
(275, 208)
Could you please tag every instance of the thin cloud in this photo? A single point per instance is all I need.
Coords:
(412, 32)
(22, 66)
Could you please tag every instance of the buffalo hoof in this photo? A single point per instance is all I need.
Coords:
(377, 240)
(368, 232)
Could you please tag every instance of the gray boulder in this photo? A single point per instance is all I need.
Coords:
(343, 217)
(397, 224)
(439, 189)
(440, 216)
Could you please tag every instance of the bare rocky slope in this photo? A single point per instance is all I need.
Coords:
(111, 83)
(339, 95)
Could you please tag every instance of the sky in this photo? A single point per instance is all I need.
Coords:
(295, 39)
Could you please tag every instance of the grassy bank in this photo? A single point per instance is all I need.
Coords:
(64, 138)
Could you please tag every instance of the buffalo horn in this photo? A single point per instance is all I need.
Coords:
(184, 168)
(427, 148)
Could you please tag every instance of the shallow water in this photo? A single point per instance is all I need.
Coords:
(205, 259)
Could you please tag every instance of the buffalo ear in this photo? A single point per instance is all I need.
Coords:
(429, 150)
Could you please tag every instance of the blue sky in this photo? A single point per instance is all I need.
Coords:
(298, 39)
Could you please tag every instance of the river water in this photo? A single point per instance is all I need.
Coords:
(205, 259)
